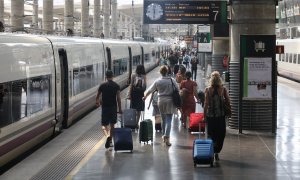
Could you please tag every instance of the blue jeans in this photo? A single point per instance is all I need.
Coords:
(166, 124)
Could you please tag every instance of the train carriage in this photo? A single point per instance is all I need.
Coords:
(48, 82)
(289, 62)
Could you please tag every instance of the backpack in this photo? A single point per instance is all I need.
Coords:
(139, 83)
(186, 59)
(216, 104)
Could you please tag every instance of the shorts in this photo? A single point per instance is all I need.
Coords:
(109, 116)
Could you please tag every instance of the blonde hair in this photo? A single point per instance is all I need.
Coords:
(215, 79)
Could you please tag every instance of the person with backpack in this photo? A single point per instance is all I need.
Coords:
(173, 60)
(216, 97)
(137, 88)
(163, 60)
(186, 61)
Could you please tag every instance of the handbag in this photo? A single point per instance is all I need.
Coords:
(175, 96)
(227, 109)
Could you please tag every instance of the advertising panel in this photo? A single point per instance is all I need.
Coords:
(257, 78)
(204, 39)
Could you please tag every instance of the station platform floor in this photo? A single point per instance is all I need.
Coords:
(78, 153)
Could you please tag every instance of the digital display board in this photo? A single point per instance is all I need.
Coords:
(184, 12)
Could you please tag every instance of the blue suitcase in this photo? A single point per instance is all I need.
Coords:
(122, 138)
(203, 150)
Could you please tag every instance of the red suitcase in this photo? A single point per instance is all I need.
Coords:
(195, 119)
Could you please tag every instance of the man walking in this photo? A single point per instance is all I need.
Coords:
(109, 97)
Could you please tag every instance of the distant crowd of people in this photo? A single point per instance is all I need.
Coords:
(178, 71)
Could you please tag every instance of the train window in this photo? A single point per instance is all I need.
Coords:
(290, 58)
(298, 58)
(282, 57)
(22, 98)
(147, 57)
(86, 77)
(120, 66)
(286, 57)
(295, 58)
(136, 60)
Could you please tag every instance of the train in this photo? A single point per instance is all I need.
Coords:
(48, 82)
(289, 62)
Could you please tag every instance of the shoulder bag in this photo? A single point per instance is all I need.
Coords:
(175, 96)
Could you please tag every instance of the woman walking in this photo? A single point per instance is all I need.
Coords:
(136, 91)
(164, 86)
(216, 96)
(189, 89)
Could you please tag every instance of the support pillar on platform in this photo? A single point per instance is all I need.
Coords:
(114, 23)
(256, 17)
(17, 15)
(68, 16)
(85, 30)
(106, 14)
(48, 16)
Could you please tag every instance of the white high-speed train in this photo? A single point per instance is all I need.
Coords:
(48, 82)
(289, 62)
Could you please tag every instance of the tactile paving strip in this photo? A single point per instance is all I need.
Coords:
(66, 161)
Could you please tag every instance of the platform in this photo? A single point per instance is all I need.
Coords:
(78, 153)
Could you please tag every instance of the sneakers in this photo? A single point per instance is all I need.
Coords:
(108, 142)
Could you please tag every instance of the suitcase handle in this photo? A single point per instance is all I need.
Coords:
(205, 131)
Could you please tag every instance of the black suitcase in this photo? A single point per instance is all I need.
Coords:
(122, 138)
(129, 117)
(146, 130)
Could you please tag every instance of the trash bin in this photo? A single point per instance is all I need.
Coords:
(226, 76)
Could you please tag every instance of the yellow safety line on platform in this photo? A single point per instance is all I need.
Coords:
(85, 159)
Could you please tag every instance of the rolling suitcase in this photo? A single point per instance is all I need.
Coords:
(129, 117)
(203, 150)
(194, 122)
(122, 138)
(146, 130)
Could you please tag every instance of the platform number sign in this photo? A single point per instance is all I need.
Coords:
(184, 12)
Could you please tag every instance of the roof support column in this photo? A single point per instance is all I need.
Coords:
(85, 18)
(256, 17)
(97, 13)
(48, 16)
(35, 16)
(68, 16)
(106, 14)
(17, 15)
(2, 11)
(114, 18)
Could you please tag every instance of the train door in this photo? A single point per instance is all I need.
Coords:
(108, 53)
(143, 55)
(130, 65)
(64, 87)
